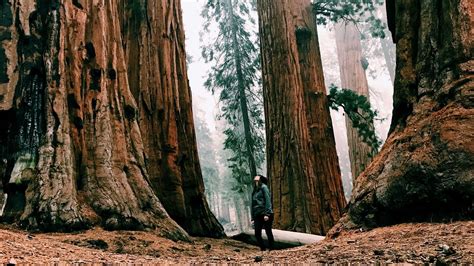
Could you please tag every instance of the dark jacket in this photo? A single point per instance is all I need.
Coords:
(261, 202)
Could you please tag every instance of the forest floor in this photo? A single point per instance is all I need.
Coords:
(405, 243)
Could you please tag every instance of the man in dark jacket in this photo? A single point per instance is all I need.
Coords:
(262, 213)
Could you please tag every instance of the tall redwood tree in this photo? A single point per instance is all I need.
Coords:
(301, 153)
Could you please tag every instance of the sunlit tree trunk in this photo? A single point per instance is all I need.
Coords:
(302, 160)
(218, 201)
(353, 77)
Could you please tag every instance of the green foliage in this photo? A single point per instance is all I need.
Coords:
(350, 11)
(359, 111)
(378, 48)
(233, 49)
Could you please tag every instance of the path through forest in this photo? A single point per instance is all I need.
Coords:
(408, 243)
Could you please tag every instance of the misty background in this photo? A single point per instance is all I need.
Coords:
(226, 201)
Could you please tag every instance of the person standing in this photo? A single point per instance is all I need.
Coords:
(262, 213)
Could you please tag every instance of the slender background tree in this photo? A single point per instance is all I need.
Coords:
(353, 77)
(349, 17)
(233, 53)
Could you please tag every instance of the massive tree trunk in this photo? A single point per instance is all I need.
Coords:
(425, 170)
(302, 160)
(349, 53)
(154, 44)
(323, 145)
(76, 156)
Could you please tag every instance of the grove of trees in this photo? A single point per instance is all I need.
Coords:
(97, 126)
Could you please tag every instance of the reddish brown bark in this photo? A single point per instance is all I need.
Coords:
(425, 170)
(155, 53)
(79, 142)
(302, 160)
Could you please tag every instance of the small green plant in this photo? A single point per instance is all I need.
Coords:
(359, 111)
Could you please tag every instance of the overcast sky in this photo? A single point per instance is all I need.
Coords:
(197, 69)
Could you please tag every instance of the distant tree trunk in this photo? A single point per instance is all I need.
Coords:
(238, 212)
(425, 170)
(212, 202)
(154, 44)
(387, 45)
(349, 53)
(76, 155)
(225, 214)
(388, 59)
(218, 202)
(302, 160)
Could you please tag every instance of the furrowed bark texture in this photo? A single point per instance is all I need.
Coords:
(349, 53)
(78, 142)
(157, 70)
(425, 170)
(302, 160)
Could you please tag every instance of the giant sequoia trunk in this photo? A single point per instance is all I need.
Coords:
(154, 45)
(75, 152)
(302, 160)
(349, 53)
(425, 170)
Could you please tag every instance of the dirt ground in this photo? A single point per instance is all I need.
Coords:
(405, 243)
